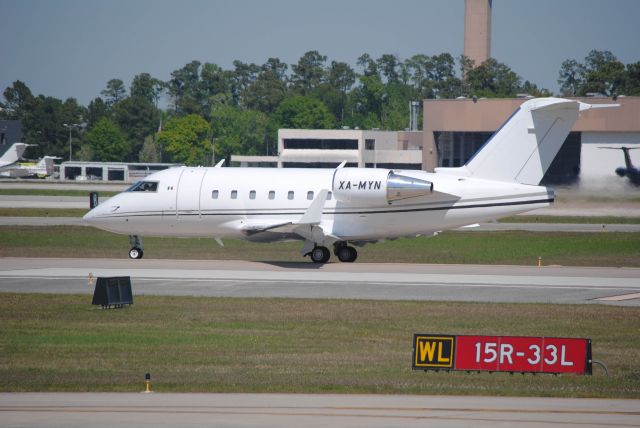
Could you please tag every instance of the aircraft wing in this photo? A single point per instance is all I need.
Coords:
(251, 228)
(309, 226)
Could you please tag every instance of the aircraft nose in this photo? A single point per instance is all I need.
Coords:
(90, 216)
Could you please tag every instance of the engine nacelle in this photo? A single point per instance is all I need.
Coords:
(372, 186)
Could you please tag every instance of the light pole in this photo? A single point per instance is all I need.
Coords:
(71, 126)
(213, 152)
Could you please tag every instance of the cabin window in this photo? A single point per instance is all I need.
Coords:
(214, 194)
(290, 195)
(144, 186)
(252, 194)
(329, 196)
(310, 195)
(272, 194)
(234, 194)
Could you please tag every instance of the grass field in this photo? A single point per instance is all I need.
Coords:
(522, 248)
(61, 343)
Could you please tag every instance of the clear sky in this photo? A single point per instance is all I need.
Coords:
(71, 48)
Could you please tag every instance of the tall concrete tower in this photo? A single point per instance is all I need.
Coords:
(477, 30)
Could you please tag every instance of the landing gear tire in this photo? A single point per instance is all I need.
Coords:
(347, 254)
(320, 255)
(135, 253)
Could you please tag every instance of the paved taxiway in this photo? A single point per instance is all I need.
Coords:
(309, 410)
(482, 227)
(619, 286)
(35, 201)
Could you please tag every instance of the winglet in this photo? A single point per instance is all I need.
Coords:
(342, 164)
(313, 215)
(219, 164)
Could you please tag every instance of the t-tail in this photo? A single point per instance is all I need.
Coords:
(46, 165)
(13, 154)
(523, 148)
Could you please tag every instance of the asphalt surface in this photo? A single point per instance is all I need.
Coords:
(580, 208)
(35, 201)
(482, 227)
(309, 410)
(62, 185)
(473, 283)
(304, 280)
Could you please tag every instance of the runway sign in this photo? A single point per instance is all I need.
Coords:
(113, 292)
(502, 353)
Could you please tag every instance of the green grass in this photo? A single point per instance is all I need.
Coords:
(61, 343)
(570, 219)
(521, 248)
(54, 192)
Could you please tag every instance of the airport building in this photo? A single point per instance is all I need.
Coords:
(327, 148)
(10, 132)
(127, 172)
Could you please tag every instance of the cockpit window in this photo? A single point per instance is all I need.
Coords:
(144, 186)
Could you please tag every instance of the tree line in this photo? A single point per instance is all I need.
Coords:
(238, 111)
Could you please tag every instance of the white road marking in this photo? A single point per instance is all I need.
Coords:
(619, 298)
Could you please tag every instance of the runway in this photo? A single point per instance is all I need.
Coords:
(474, 283)
(308, 410)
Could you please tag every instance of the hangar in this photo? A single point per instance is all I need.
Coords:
(127, 172)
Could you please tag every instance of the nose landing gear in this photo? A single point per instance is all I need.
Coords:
(136, 251)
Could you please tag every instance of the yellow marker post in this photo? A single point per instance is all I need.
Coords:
(539, 261)
(147, 381)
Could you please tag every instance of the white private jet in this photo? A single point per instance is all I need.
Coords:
(43, 168)
(348, 206)
(11, 157)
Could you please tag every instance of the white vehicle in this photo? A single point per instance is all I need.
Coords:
(11, 157)
(348, 206)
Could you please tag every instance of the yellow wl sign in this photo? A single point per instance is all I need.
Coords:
(433, 351)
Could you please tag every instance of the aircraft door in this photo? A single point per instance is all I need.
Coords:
(188, 193)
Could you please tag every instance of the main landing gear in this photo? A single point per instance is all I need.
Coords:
(136, 247)
(320, 254)
(345, 253)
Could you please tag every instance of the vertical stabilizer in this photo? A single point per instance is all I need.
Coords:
(523, 148)
(46, 166)
(13, 154)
